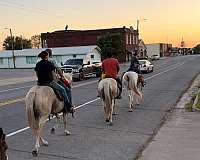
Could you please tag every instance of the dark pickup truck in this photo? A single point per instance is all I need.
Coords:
(80, 70)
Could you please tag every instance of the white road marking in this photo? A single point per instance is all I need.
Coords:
(82, 105)
(164, 71)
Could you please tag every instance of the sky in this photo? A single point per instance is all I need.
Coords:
(167, 21)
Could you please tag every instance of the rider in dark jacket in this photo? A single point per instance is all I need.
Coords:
(60, 73)
(135, 65)
(44, 70)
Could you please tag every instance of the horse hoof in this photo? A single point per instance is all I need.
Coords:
(34, 153)
(107, 120)
(111, 123)
(130, 110)
(67, 133)
(52, 130)
(46, 144)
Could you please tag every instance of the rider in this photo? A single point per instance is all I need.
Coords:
(44, 70)
(135, 67)
(60, 73)
(110, 67)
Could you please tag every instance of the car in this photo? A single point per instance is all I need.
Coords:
(80, 70)
(155, 57)
(146, 66)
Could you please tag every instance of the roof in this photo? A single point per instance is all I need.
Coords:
(78, 50)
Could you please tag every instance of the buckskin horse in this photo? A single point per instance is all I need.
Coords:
(41, 101)
(108, 90)
(132, 84)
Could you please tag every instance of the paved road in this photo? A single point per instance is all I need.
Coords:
(92, 138)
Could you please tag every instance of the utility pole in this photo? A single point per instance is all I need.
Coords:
(22, 43)
(12, 43)
(138, 39)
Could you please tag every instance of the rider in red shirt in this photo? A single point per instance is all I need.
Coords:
(110, 67)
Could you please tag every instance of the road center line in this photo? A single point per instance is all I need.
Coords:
(84, 104)
(78, 85)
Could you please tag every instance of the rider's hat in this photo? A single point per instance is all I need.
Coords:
(49, 51)
(43, 54)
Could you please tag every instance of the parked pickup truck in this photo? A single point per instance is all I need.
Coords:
(80, 69)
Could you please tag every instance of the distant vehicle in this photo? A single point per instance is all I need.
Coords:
(80, 69)
(155, 57)
(146, 66)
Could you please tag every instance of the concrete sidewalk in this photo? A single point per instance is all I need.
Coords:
(179, 137)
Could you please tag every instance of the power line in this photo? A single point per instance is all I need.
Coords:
(28, 10)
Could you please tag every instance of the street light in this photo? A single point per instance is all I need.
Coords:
(12, 43)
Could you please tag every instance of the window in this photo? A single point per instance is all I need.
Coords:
(1, 60)
(130, 37)
(126, 38)
(92, 56)
(31, 60)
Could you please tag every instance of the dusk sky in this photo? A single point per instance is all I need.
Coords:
(168, 20)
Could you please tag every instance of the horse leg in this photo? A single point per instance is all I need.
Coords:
(111, 113)
(106, 111)
(37, 143)
(42, 122)
(44, 142)
(53, 129)
(114, 109)
(65, 116)
(130, 95)
(38, 136)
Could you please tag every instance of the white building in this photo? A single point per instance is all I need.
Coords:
(160, 49)
(27, 58)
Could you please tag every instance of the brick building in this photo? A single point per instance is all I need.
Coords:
(68, 38)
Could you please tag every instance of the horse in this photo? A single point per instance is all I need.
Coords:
(132, 84)
(108, 90)
(3, 146)
(41, 101)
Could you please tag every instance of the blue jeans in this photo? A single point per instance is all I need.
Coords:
(68, 91)
(62, 90)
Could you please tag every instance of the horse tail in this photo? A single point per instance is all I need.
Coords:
(107, 94)
(126, 81)
(31, 113)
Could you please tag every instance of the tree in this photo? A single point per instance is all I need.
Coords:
(196, 49)
(36, 41)
(19, 43)
(110, 41)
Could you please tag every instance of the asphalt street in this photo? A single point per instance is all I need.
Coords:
(91, 138)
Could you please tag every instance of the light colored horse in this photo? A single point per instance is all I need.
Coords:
(40, 102)
(108, 90)
(130, 82)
